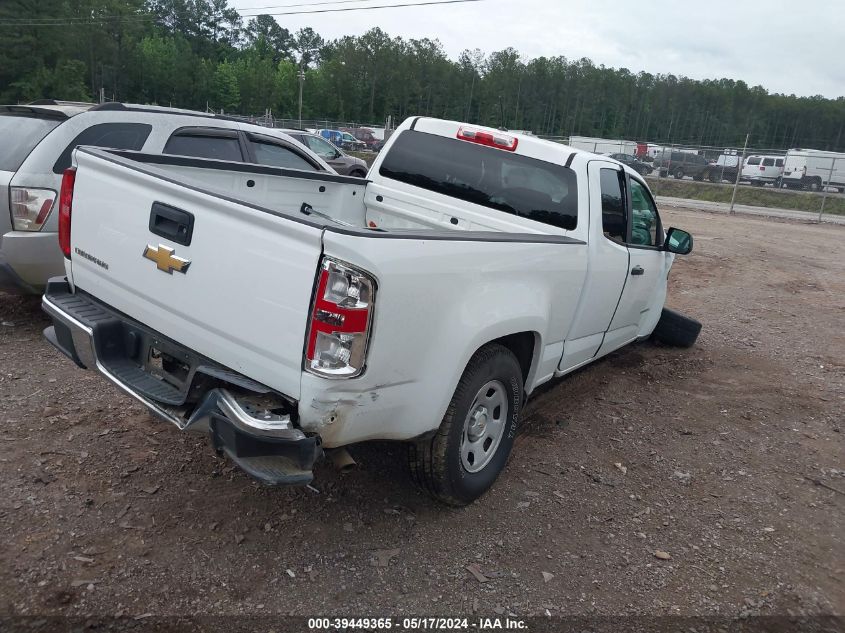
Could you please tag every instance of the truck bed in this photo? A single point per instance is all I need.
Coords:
(243, 300)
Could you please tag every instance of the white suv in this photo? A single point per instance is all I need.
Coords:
(38, 140)
(762, 169)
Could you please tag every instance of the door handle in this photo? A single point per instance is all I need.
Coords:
(171, 223)
(637, 270)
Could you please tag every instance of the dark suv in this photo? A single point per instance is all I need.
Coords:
(681, 164)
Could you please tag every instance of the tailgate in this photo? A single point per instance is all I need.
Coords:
(243, 292)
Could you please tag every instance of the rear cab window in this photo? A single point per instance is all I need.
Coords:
(768, 162)
(213, 143)
(130, 136)
(20, 134)
(754, 160)
(489, 177)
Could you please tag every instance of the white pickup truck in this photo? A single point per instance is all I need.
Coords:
(287, 312)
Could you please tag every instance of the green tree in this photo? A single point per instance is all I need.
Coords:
(226, 93)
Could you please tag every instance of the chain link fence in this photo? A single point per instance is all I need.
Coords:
(798, 179)
(804, 180)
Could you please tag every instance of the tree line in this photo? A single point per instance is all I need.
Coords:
(202, 54)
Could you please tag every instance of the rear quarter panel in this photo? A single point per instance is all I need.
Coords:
(437, 302)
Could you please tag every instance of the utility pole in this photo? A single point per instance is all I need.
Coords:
(739, 173)
(301, 76)
(824, 188)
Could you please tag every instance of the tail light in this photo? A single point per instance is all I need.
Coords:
(65, 203)
(341, 316)
(490, 139)
(762, 168)
(30, 207)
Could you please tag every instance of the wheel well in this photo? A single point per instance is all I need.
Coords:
(522, 346)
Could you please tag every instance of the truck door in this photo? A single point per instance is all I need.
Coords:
(607, 267)
(648, 265)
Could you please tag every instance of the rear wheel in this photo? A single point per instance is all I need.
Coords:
(714, 177)
(674, 328)
(469, 450)
(815, 184)
(357, 173)
(679, 173)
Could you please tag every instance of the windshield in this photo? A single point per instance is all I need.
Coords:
(20, 134)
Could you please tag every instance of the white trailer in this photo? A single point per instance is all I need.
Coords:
(811, 169)
(603, 145)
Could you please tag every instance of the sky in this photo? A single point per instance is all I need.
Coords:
(789, 47)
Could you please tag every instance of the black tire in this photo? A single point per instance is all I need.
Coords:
(675, 329)
(698, 178)
(714, 177)
(357, 173)
(436, 463)
(679, 173)
(815, 185)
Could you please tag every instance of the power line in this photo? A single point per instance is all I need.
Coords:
(64, 22)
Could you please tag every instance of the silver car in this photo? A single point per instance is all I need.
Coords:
(38, 140)
(341, 162)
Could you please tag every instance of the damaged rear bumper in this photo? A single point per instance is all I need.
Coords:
(246, 420)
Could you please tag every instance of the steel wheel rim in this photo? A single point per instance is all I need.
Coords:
(484, 426)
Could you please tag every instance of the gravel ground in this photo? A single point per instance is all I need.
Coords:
(658, 481)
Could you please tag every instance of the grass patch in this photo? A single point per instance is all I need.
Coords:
(752, 196)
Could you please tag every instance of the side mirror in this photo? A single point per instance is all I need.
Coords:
(678, 242)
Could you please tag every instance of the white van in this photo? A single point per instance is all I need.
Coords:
(760, 170)
(811, 169)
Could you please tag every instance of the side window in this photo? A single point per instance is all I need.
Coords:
(645, 223)
(279, 156)
(779, 162)
(113, 135)
(768, 162)
(321, 147)
(613, 218)
(205, 143)
(754, 160)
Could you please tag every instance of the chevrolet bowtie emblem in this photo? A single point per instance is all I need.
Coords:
(165, 260)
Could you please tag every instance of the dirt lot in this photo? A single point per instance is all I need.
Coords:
(714, 455)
